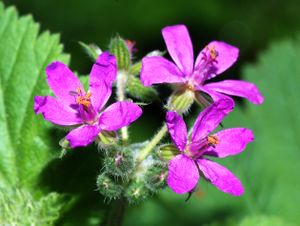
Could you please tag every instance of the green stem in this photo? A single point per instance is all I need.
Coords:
(115, 214)
(155, 140)
(121, 85)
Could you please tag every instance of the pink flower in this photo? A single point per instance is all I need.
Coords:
(183, 168)
(72, 106)
(215, 58)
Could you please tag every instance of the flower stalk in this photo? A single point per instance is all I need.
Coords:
(121, 85)
(154, 141)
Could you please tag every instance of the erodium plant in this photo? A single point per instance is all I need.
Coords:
(131, 172)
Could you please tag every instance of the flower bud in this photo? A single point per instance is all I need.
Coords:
(119, 48)
(119, 162)
(108, 187)
(167, 151)
(181, 100)
(155, 176)
(136, 192)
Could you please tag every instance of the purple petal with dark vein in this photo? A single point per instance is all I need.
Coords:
(82, 136)
(62, 82)
(177, 129)
(55, 111)
(231, 142)
(156, 70)
(238, 88)
(183, 174)
(118, 115)
(221, 177)
(227, 55)
(180, 47)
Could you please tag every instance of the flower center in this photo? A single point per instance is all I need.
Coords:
(212, 140)
(85, 108)
(83, 99)
(196, 150)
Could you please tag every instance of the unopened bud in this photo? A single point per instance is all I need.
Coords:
(181, 100)
(167, 151)
(136, 192)
(108, 187)
(119, 48)
(155, 176)
(119, 162)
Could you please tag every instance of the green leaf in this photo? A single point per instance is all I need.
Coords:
(18, 207)
(25, 139)
(136, 89)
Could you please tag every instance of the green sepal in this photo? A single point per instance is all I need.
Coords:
(92, 50)
(119, 49)
(135, 69)
(107, 138)
(136, 89)
(181, 100)
(167, 151)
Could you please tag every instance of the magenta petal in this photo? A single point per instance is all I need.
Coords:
(209, 119)
(82, 136)
(62, 81)
(221, 177)
(102, 76)
(118, 115)
(156, 70)
(227, 55)
(55, 111)
(177, 129)
(180, 47)
(183, 174)
(238, 88)
(231, 142)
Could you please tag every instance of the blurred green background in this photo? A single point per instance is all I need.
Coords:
(269, 168)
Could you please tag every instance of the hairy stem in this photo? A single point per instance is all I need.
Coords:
(121, 85)
(115, 214)
(155, 140)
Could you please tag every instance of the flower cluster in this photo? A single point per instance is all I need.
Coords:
(142, 171)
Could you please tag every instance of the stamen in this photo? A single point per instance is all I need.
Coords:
(84, 100)
(213, 52)
(212, 140)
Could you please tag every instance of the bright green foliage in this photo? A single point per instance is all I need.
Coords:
(25, 143)
(26, 146)
(18, 207)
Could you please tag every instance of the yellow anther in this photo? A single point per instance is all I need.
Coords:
(213, 52)
(83, 99)
(212, 140)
